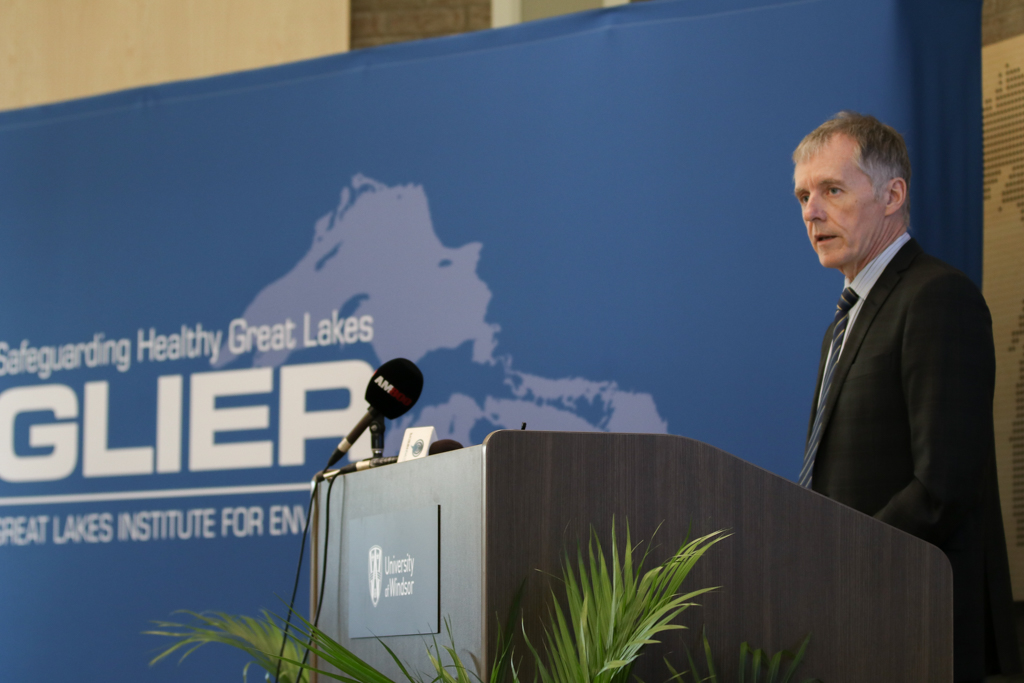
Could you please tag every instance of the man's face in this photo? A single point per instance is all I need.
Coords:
(845, 222)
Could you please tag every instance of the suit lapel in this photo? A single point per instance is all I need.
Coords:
(876, 298)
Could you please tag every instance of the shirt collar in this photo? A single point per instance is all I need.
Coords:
(867, 277)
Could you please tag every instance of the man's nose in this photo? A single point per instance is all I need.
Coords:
(813, 209)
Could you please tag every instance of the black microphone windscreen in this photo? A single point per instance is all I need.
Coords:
(443, 446)
(395, 388)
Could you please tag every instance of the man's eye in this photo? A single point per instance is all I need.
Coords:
(833, 190)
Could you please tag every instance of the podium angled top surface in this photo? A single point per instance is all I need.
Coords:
(876, 601)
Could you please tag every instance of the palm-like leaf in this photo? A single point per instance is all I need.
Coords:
(503, 668)
(752, 673)
(355, 670)
(261, 638)
(456, 672)
(329, 651)
(611, 613)
(255, 636)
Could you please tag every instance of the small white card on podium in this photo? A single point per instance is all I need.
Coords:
(416, 443)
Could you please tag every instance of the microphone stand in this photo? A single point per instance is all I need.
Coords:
(376, 459)
(376, 426)
(377, 436)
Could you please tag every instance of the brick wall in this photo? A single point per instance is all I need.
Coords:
(1001, 19)
(376, 22)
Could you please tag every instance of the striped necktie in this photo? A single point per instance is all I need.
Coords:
(846, 302)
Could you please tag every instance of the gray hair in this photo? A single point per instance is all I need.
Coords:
(880, 151)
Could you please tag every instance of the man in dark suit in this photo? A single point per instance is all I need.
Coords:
(901, 425)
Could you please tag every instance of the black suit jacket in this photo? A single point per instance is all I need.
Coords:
(908, 438)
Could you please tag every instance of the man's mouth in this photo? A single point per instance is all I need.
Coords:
(821, 239)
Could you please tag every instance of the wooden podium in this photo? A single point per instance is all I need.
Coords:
(877, 602)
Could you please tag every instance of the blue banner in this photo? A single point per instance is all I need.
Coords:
(581, 224)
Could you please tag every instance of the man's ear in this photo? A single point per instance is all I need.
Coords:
(895, 196)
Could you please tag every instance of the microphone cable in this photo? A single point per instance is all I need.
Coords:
(298, 573)
(330, 477)
(323, 576)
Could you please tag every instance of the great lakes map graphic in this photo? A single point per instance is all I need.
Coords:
(378, 254)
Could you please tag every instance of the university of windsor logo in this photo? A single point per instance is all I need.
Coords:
(376, 555)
